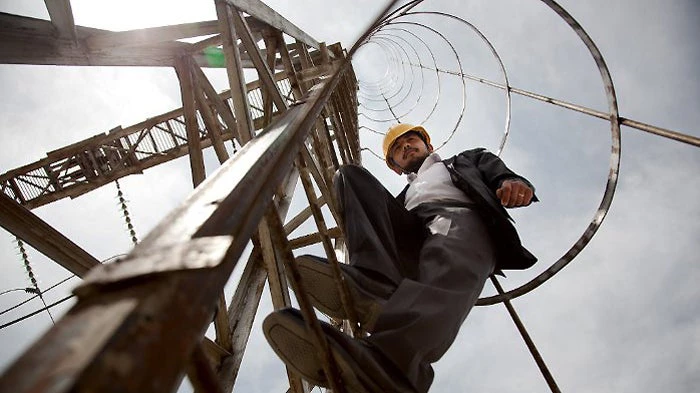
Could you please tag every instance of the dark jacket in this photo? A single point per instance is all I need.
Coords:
(479, 174)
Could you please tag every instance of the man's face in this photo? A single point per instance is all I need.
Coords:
(408, 152)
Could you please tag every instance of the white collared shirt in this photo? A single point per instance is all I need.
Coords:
(432, 183)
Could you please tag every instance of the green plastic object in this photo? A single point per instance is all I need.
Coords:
(214, 56)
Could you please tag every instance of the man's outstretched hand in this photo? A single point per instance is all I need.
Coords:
(514, 193)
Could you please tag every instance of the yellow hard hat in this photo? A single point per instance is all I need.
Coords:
(396, 131)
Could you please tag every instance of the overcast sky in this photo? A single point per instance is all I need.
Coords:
(624, 316)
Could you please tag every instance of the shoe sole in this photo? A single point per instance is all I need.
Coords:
(321, 287)
(287, 334)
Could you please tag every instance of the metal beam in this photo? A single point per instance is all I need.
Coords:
(33, 41)
(264, 13)
(264, 73)
(234, 70)
(61, 16)
(44, 238)
(194, 145)
(208, 116)
(152, 35)
(218, 101)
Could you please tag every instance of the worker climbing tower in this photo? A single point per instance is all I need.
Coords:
(139, 323)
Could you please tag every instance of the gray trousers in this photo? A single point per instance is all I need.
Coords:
(435, 258)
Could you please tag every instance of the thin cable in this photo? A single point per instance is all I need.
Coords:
(35, 296)
(390, 109)
(54, 286)
(20, 319)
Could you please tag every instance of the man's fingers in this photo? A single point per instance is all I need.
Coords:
(505, 193)
(514, 194)
(523, 195)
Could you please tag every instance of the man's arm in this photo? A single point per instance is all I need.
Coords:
(512, 189)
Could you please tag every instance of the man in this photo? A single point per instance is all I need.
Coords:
(418, 263)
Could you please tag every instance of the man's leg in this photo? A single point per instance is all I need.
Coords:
(422, 318)
(383, 241)
(382, 237)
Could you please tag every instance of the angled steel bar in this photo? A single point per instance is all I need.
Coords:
(209, 117)
(275, 271)
(249, 291)
(262, 12)
(218, 101)
(214, 351)
(234, 70)
(194, 147)
(659, 131)
(528, 340)
(201, 374)
(349, 113)
(34, 41)
(61, 16)
(345, 298)
(241, 315)
(327, 141)
(324, 188)
(44, 238)
(319, 339)
(287, 62)
(304, 63)
(277, 281)
(339, 132)
(221, 324)
(300, 218)
(322, 154)
(313, 238)
(264, 73)
(271, 58)
(152, 35)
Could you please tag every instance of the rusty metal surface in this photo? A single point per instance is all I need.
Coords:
(198, 253)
